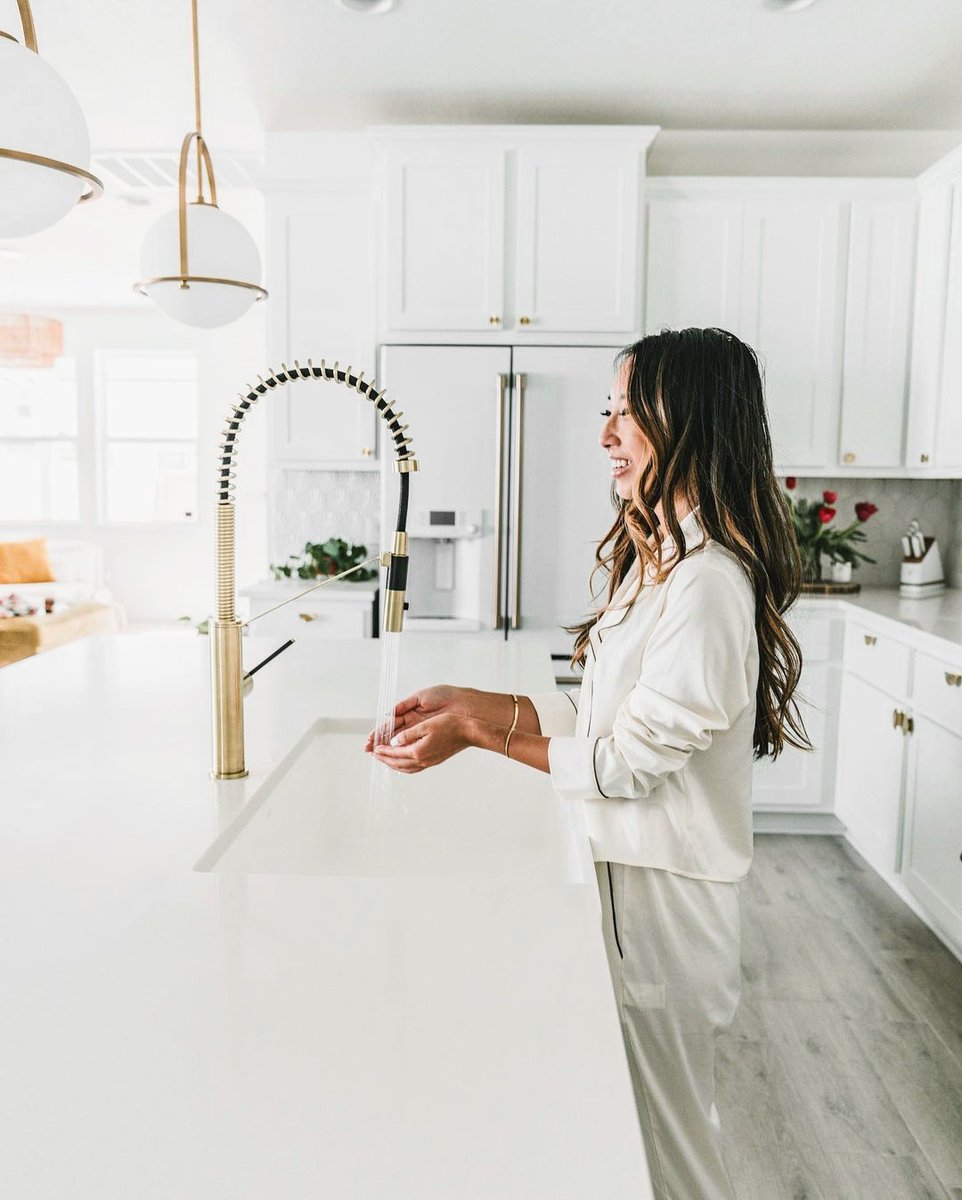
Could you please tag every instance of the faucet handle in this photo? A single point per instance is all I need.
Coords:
(248, 681)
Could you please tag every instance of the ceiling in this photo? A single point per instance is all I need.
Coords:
(681, 64)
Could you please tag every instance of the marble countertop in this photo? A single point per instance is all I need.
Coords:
(173, 1032)
(934, 623)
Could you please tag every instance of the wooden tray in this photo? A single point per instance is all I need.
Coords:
(827, 588)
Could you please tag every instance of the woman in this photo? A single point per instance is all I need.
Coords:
(689, 673)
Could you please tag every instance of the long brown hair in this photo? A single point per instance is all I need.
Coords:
(696, 395)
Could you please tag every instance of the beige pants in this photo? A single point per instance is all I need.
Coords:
(673, 947)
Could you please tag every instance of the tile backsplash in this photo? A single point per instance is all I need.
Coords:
(311, 506)
(936, 503)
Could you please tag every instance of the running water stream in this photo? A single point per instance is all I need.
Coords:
(387, 696)
(383, 804)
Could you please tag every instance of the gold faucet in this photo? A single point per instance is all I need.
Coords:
(229, 684)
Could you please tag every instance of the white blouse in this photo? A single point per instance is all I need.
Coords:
(657, 741)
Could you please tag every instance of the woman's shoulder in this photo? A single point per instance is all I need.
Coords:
(712, 570)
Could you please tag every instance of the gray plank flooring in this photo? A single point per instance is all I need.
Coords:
(841, 1077)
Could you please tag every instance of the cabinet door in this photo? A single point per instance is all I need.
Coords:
(792, 314)
(877, 318)
(948, 444)
(868, 786)
(928, 327)
(802, 780)
(693, 264)
(933, 835)
(577, 239)
(322, 305)
(444, 237)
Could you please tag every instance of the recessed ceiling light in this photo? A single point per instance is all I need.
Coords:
(368, 6)
(787, 5)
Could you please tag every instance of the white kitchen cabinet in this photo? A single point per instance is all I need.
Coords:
(948, 437)
(534, 230)
(877, 322)
(871, 757)
(792, 314)
(804, 780)
(321, 268)
(694, 262)
(338, 610)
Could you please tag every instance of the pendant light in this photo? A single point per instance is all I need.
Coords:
(44, 144)
(199, 265)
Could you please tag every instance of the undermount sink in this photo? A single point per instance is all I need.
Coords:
(330, 809)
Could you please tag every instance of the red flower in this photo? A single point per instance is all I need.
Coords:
(829, 497)
(790, 483)
(826, 514)
(864, 510)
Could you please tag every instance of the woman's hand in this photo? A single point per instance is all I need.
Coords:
(426, 743)
(429, 702)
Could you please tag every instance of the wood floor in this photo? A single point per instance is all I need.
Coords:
(841, 1078)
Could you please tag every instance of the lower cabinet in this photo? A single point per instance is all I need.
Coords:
(871, 762)
(339, 610)
(932, 856)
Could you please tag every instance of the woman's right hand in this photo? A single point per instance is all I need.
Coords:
(429, 702)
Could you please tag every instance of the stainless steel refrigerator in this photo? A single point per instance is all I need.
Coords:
(514, 491)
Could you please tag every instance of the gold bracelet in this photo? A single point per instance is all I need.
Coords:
(514, 724)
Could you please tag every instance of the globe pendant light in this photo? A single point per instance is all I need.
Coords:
(44, 145)
(199, 265)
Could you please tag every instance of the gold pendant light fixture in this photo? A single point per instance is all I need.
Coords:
(44, 144)
(200, 265)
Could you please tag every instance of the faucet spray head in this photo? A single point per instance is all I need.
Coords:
(397, 578)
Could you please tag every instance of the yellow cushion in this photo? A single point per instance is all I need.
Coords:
(25, 562)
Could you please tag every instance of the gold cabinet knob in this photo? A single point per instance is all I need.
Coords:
(366, 452)
(870, 640)
(923, 458)
(494, 320)
(952, 679)
(524, 321)
(848, 458)
(308, 616)
(898, 719)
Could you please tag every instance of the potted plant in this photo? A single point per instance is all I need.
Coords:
(325, 558)
(818, 537)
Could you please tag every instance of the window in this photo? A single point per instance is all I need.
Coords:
(38, 443)
(148, 424)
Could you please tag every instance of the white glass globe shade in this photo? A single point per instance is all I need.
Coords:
(218, 247)
(38, 115)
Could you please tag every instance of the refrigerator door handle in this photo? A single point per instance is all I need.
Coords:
(502, 386)
(517, 467)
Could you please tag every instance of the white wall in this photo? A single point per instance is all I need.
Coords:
(161, 573)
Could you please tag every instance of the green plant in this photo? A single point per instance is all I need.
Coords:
(325, 558)
(817, 536)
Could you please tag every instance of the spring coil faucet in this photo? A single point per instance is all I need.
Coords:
(229, 684)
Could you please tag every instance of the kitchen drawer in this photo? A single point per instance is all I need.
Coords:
(317, 621)
(877, 658)
(937, 691)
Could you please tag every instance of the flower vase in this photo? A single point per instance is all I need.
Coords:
(811, 565)
(841, 572)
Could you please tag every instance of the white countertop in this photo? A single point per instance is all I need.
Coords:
(933, 624)
(169, 1032)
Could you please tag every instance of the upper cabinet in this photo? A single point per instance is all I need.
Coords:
(935, 409)
(817, 276)
(533, 230)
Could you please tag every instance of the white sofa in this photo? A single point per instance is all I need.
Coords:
(78, 570)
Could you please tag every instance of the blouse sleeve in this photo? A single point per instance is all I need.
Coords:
(695, 679)
(557, 711)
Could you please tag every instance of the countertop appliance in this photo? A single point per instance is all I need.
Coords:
(514, 491)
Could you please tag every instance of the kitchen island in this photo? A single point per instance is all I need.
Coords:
(174, 1031)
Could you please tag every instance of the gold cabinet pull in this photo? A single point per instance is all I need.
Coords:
(524, 321)
(367, 452)
(848, 458)
(308, 616)
(898, 719)
(952, 679)
(923, 458)
(870, 639)
(908, 725)
(494, 320)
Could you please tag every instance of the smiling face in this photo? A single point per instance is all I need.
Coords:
(626, 446)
